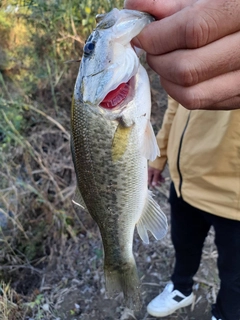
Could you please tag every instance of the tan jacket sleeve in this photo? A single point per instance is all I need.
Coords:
(163, 134)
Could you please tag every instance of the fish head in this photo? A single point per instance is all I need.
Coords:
(109, 61)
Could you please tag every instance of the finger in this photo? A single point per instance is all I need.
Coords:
(161, 178)
(150, 176)
(189, 67)
(220, 92)
(192, 27)
(229, 104)
(156, 177)
(158, 9)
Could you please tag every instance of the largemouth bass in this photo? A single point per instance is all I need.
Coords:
(112, 139)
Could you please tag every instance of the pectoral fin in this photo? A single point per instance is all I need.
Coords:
(150, 147)
(152, 219)
(78, 200)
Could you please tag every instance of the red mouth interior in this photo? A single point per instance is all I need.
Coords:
(116, 96)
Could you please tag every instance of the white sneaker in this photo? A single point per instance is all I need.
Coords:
(168, 301)
(213, 318)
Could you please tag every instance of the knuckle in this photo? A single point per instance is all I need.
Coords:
(192, 99)
(147, 40)
(200, 29)
(195, 34)
(186, 72)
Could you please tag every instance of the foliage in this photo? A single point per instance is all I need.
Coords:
(38, 36)
(11, 117)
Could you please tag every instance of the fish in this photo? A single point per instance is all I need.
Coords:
(111, 141)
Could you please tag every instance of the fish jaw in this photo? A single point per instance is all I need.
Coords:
(95, 87)
(109, 58)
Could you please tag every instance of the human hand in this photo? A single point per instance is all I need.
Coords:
(154, 177)
(195, 50)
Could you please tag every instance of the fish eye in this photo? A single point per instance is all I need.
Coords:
(88, 48)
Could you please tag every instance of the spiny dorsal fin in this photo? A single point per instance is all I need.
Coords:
(152, 219)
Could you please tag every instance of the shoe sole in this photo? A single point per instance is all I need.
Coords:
(186, 303)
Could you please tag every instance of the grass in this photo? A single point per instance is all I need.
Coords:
(8, 308)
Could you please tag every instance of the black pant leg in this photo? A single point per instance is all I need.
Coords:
(188, 230)
(227, 240)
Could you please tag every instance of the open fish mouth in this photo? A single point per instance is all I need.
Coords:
(116, 96)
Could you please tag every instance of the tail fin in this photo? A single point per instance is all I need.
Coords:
(124, 279)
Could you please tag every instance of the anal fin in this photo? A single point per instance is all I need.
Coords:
(152, 219)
